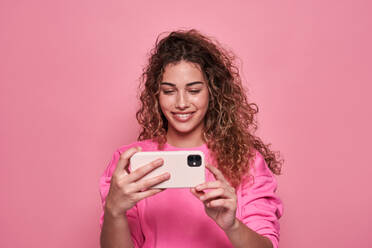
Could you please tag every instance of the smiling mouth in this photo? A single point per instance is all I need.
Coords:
(183, 116)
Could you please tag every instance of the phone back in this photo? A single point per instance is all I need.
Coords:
(186, 168)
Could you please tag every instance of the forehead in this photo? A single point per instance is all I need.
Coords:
(182, 73)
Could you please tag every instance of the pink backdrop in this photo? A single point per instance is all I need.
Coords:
(68, 73)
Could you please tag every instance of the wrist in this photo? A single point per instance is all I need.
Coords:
(113, 213)
(235, 226)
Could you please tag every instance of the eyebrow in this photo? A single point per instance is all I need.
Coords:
(189, 84)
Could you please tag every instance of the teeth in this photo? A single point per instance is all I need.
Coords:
(183, 116)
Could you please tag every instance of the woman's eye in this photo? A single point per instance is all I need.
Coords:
(167, 92)
(194, 91)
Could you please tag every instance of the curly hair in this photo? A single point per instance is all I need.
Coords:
(230, 122)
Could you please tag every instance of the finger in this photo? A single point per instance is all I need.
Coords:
(124, 159)
(214, 185)
(147, 193)
(148, 183)
(216, 172)
(209, 185)
(144, 170)
(217, 193)
(196, 193)
(224, 203)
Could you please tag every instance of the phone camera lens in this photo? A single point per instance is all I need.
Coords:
(194, 160)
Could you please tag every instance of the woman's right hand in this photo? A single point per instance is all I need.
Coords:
(126, 189)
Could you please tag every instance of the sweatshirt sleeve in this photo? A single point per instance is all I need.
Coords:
(132, 214)
(260, 207)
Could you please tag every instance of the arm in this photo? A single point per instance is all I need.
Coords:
(115, 231)
(242, 236)
(260, 207)
(125, 190)
(220, 204)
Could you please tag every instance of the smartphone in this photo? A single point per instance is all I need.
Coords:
(186, 168)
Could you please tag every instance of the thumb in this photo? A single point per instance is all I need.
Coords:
(124, 159)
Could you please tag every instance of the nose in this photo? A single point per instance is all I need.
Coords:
(182, 101)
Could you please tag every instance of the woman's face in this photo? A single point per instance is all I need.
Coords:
(184, 97)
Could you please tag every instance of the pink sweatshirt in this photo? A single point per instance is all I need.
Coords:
(176, 218)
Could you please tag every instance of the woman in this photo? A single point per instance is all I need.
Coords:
(192, 99)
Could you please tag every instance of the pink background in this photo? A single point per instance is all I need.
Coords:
(69, 70)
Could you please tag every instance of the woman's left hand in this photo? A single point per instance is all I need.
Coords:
(220, 200)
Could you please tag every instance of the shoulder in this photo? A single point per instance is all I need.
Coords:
(146, 145)
(260, 183)
(258, 171)
(259, 166)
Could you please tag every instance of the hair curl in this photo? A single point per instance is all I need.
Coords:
(230, 122)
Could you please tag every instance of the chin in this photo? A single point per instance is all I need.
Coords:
(183, 130)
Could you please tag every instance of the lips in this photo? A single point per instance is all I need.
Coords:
(183, 117)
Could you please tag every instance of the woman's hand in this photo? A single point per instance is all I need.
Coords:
(126, 189)
(220, 201)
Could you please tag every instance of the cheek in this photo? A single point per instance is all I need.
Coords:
(164, 102)
(203, 101)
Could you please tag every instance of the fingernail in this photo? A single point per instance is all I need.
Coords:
(156, 161)
(202, 198)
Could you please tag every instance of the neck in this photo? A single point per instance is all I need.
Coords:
(192, 139)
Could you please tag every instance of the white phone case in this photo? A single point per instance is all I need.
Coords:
(183, 166)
